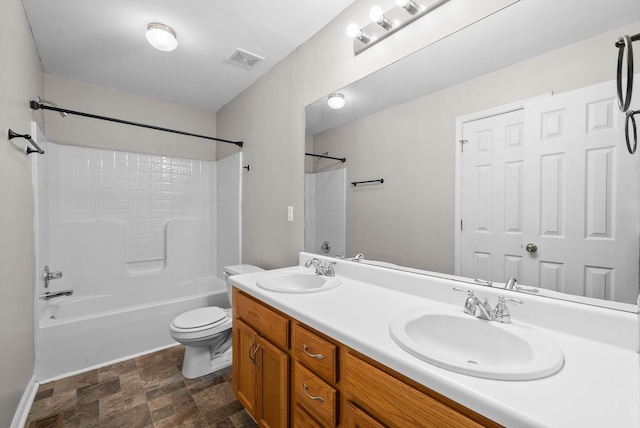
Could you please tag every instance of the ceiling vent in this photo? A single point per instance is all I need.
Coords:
(243, 58)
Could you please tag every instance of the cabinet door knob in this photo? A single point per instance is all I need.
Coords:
(305, 350)
(313, 397)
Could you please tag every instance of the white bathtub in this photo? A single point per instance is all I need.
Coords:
(81, 332)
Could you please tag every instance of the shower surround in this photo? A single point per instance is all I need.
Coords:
(139, 239)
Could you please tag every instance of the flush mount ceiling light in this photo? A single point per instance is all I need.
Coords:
(162, 37)
(386, 23)
(336, 100)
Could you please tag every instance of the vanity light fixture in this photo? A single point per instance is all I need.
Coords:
(161, 36)
(378, 17)
(408, 5)
(336, 100)
(384, 24)
(356, 33)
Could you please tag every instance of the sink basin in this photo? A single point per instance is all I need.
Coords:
(298, 281)
(471, 346)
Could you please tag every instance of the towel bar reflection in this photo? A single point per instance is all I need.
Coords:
(28, 150)
(355, 183)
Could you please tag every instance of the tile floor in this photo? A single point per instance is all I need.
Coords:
(144, 392)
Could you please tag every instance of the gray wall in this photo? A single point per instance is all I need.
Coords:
(412, 146)
(21, 78)
(86, 97)
(269, 118)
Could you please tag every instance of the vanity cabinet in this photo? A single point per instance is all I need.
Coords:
(285, 373)
(261, 362)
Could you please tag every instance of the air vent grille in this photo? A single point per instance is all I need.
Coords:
(244, 58)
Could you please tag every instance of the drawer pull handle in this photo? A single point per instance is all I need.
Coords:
(318, 356)
(320, 399)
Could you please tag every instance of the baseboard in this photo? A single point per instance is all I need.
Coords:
(22, 412)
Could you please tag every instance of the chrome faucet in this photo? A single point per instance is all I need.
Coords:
(53, 294)
(321, 268)
(482, 310)
(512, 284)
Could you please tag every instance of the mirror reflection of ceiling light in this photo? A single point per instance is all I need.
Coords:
(336, 100)
(161, 37)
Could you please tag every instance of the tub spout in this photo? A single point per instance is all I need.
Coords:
(52, 295)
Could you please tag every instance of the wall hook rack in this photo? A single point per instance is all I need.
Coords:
(355, 183)
(28, 150)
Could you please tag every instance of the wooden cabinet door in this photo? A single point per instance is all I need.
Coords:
(354, 417)
(272, 385)
(244, 366)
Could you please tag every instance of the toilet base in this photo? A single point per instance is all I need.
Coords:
(197, 361)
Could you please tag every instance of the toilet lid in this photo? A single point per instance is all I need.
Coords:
(201, 317)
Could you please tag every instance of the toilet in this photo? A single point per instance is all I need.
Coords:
(206, 332)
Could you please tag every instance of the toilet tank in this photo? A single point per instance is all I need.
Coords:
(237, 270)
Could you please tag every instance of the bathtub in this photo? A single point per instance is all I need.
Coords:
(81, 332)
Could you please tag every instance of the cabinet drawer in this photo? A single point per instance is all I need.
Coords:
(380, 394)
(301, 419)
(315, 396)
(268, 323)
(315, 353)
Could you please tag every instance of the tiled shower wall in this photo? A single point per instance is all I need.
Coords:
(325, 204)
(141, 191)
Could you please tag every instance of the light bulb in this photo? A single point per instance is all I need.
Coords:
(376, 14)
(353, 31)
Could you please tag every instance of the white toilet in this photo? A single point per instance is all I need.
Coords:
(206, 332)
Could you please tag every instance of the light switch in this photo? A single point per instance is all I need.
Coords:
(290, 213)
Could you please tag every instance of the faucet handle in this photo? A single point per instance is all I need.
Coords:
(501, 312)
(471, 302)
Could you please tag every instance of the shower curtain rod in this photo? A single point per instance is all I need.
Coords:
(326, 157)
(35, 105)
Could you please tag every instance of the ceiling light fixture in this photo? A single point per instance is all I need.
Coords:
(384, 24)
(336, 100)
(162, 37)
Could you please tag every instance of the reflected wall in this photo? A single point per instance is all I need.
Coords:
(409, 220)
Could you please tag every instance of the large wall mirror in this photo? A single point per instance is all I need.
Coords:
(402, 124)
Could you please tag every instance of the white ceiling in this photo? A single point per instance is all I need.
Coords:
(103, 42)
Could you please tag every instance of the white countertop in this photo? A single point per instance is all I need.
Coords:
(598, 386)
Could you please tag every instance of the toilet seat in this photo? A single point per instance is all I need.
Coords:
(201, 323)
(201, 317)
